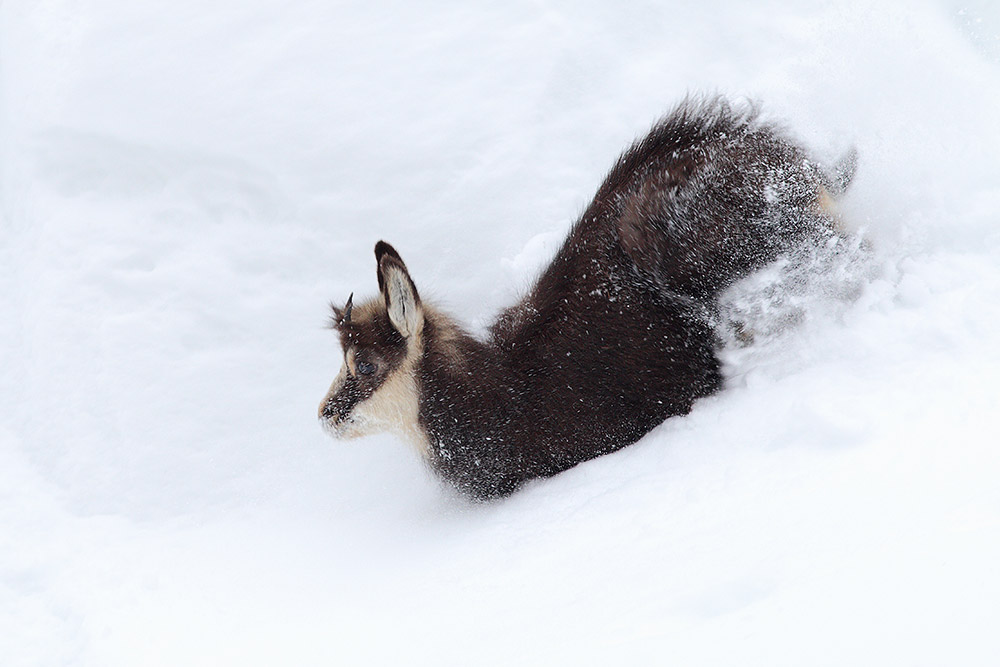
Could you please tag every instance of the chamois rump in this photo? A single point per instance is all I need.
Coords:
(615, 336)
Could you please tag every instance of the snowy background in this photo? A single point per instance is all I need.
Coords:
(185, 185)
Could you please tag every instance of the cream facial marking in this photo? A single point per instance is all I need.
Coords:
(349, 362)
(385, 399)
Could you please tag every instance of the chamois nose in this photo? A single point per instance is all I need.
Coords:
(326, 410)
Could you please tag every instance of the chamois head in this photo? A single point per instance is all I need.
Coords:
(382, 341)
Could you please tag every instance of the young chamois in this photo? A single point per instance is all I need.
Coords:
(614, 337)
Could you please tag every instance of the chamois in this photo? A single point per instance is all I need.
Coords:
(616, 334)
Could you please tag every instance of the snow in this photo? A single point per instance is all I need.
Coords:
(184, 186)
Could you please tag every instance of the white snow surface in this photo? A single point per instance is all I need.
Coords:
(185, 185)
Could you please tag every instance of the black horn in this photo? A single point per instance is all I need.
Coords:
(346, 319)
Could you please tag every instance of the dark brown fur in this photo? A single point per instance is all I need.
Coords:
(613, 338)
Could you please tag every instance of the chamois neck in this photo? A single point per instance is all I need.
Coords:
(472, 408)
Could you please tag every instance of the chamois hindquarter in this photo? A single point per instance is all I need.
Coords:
(614, 337)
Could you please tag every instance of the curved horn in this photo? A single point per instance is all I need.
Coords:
(346, 319)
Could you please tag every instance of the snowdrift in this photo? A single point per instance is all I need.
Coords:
(180, 189)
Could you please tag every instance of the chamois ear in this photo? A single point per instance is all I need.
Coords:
(401, 299)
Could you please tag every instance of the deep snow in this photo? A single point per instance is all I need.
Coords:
(185, 185)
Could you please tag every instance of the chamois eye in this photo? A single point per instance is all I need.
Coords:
(366, 367)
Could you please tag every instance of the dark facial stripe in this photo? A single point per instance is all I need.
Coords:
(340, 405)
